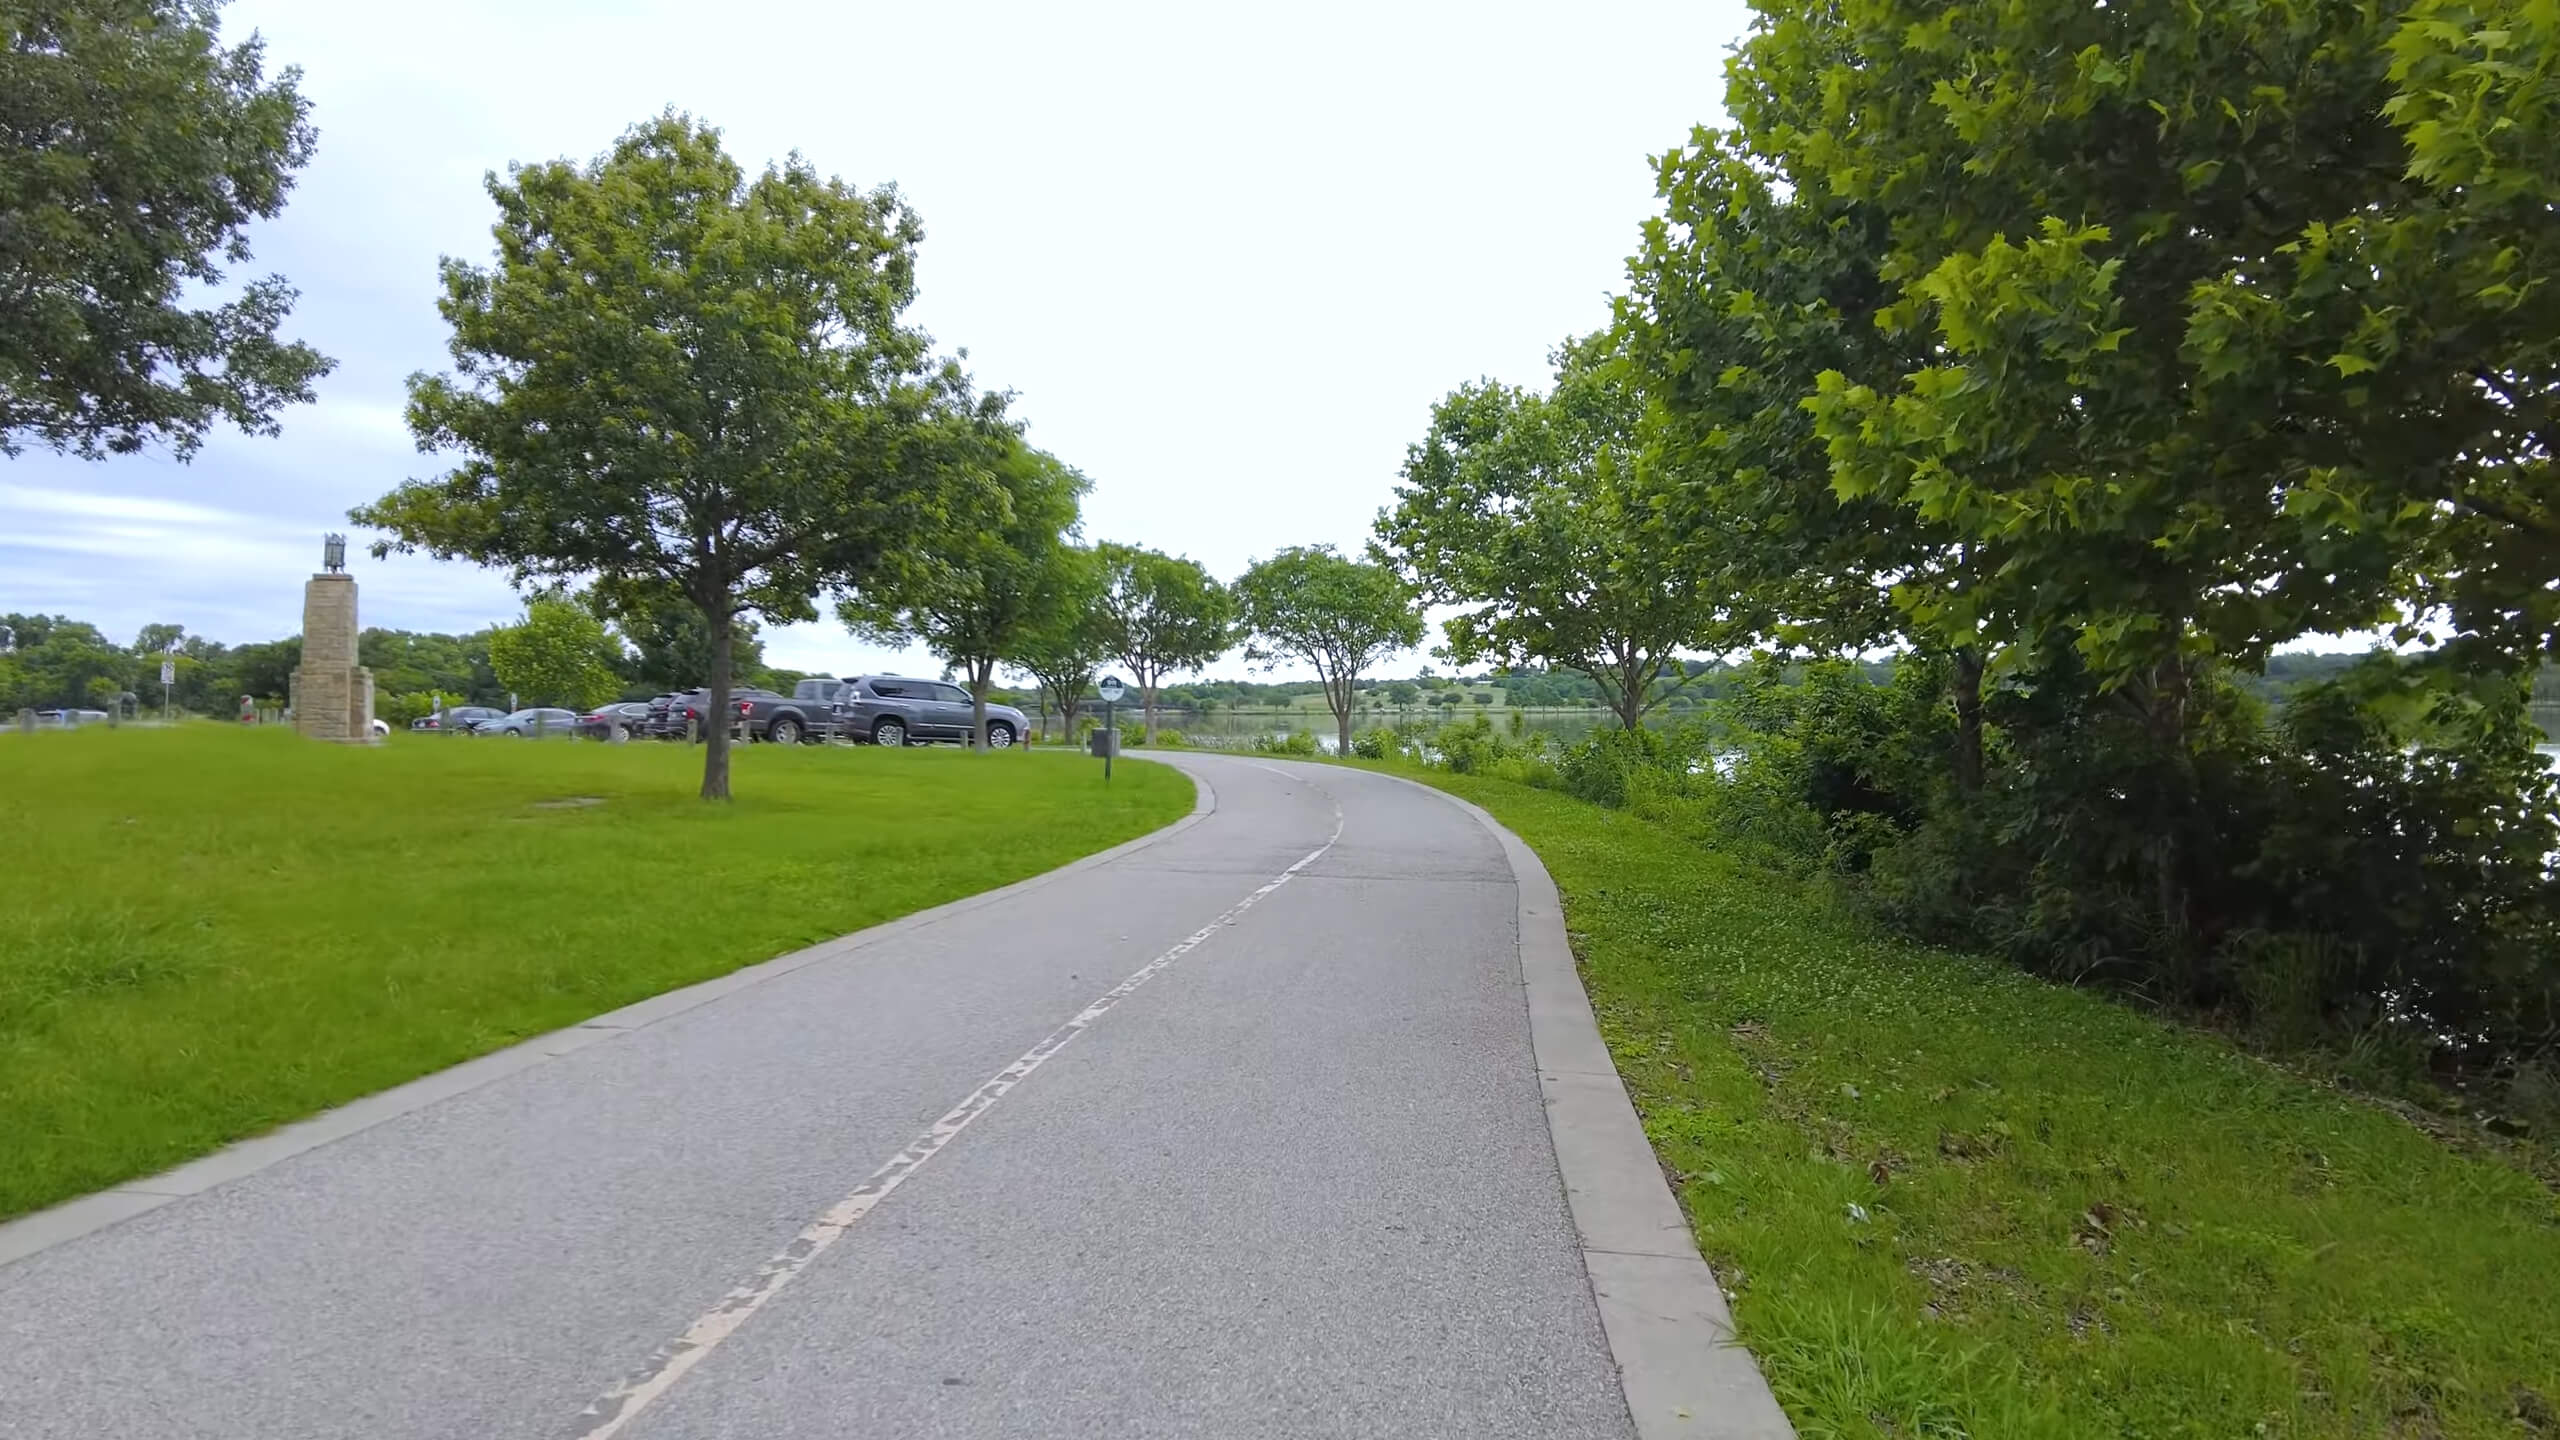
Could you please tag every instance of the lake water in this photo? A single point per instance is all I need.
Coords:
(1236, 729)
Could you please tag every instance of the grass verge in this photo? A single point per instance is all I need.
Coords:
(1953, 1200)
(206, 932)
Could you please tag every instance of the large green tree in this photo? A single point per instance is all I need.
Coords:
(1543, 517)
(1312, 605)
(135, 151)
(559, 654)
(680, 380)
(975, 595)
(1069, 635)
(1748, 289)
(1163, 613)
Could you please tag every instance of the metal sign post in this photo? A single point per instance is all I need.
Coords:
(1111, 690)
(168, 678)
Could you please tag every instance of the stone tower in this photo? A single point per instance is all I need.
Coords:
(332, 694)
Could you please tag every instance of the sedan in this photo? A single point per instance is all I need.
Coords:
(539, 721)
(631, 717)
(458, 719)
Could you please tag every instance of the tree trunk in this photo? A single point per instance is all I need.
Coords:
(980, 673)
(1341, 702)
(1631, 688)
(715, 754)
(1968, 687)
(2167, 721)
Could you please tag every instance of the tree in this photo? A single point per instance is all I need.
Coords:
(1750, 286)
(135, 150)
(155, 640)
(1069, 637)
(1309, 603)
(1163, 613)
(558, 655)
(1403, 693)
(679, 382)
(672, 645)
(1542, 514)
(976, 594)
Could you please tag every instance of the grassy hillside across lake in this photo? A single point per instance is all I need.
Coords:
(1954, 1200)
(206, 932)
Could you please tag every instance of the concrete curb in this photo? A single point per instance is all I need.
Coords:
(72, 1219)
(1686, 1377)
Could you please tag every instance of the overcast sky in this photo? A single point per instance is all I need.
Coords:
(1226, 259)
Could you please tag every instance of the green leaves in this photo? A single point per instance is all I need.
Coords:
(135, 151)
(1161, 613)
(975, 591)
(1551, 515)
(1310, 604)
(678, 380)
(558, 655)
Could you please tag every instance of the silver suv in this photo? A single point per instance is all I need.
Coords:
(898, 710)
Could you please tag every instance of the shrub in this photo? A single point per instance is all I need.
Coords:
(1377, 743)
(1296, 742)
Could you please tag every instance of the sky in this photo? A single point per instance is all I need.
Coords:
(1224, 257)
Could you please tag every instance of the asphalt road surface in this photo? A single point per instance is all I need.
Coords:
(966, 1182)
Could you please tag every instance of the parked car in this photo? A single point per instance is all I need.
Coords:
(656, 726)
(72, 718)
(540, 720)
(785, 719)
(457, 719)
(689, 711)
(900, 710)
(631, 717)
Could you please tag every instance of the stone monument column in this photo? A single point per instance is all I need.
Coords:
(332, 694)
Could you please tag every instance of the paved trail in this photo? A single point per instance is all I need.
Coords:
(1296, 1183)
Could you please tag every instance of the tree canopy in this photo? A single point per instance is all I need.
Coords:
(975, 594)
(1069, 635)
(1161, 614)
(1309, 603)
(679, 381)
(1543, 516)
(559, 654)
(135, 151)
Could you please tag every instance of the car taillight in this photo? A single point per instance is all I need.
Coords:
(744, 707)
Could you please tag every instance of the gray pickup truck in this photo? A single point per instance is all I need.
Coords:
(784, 719)
(899, 710)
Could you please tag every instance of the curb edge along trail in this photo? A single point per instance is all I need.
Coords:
(1241, 1129)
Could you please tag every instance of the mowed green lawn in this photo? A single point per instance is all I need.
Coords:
(1956, 1201)
(206, 932)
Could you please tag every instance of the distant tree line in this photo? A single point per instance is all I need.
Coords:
(53, 660)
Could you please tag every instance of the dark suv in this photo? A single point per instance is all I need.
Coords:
(897, 710)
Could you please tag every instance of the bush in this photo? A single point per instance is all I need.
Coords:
(397, 711)
(1377, 743)
(1296, 742)
(2367, 869)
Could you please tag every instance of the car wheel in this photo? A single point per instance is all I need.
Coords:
(785, 731)
(999, 736)
(889, 732)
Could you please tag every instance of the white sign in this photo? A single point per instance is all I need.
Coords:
(1111, 689)
(168, 672)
